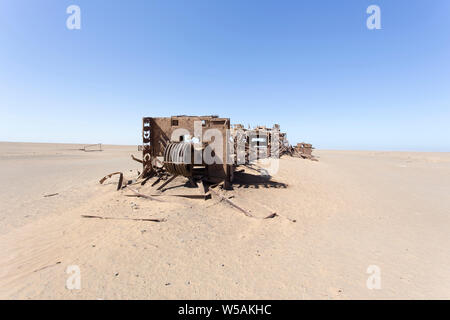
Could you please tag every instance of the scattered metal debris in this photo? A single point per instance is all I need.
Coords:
(110, 175)
(50, 195)
(246, 212)
(51, 265)
(122, 183)
(166, 182)
(124, 218)
(143, 195)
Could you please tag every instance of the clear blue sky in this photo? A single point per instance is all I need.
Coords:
(311, 66)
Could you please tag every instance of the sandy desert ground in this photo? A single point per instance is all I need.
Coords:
(352, 209)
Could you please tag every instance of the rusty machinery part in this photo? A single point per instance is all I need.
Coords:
(178, 158)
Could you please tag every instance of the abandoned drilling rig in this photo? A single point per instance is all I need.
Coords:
(208, 147)
(205, 149)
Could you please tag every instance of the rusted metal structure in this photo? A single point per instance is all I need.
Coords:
(304, 150)
(203, 149)
(259, 143)
(176, 145)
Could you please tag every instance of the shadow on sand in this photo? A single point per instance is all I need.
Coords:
(247, 180)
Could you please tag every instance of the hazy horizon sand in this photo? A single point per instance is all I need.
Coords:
(352, 209)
